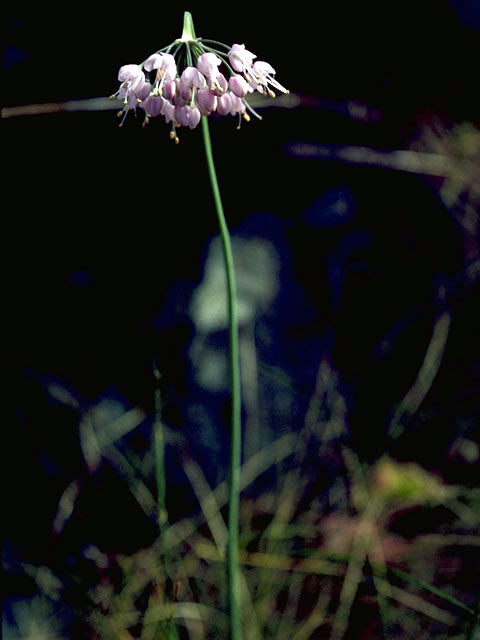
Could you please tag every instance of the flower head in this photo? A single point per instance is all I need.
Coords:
(194, 77)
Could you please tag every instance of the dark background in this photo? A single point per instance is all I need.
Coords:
(105, 232)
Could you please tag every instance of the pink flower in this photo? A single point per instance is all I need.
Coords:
(133, 90)
(206, 101)
(133, 87)
(168, 89)
(187, 116)
(208, 64)
(239, 86)
(220, 86)
(168, 111)
(143, 91)
(262, 77)
(237, 106)
(166, 68)
(240, 59)
(224, 104)
(191, 78)
(153, 105)
(164, 63)
(130, 75)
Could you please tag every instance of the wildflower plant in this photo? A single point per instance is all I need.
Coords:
(186, 82)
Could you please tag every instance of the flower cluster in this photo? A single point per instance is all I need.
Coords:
(187, 80)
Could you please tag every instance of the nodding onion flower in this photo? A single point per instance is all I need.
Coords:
(192, 77)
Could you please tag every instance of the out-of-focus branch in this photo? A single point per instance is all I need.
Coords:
(350, 108)
(430, 164)
(426, 375)
(89, 104)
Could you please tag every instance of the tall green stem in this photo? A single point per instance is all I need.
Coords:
(235, 446)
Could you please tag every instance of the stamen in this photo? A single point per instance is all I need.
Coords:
(252, 110)
(124, 111)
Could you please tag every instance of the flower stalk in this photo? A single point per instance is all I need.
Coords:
(236, 434)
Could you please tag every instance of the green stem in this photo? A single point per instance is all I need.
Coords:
(235, 446)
